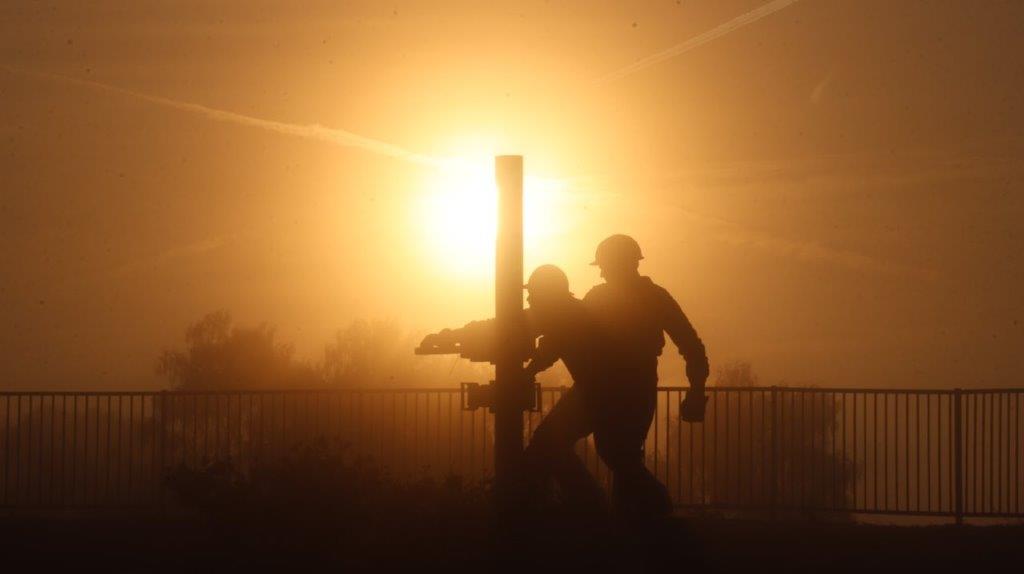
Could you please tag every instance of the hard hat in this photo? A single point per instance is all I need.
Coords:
(548, 279)
(617, 248)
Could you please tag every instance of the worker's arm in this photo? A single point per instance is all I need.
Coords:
(477, 340)
(445, 337)
(545, 355)
(682, 333)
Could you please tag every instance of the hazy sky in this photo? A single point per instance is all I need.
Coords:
(832, 192)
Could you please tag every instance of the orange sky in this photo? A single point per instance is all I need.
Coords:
(832, 192)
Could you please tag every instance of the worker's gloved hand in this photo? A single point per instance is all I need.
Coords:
(692, 408)
(442, 337)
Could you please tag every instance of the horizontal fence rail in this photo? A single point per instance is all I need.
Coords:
(775, 449)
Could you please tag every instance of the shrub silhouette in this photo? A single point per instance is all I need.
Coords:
(320, 494)
(791, 463)
(219, 355)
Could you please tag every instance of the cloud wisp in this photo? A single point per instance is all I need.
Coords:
(679, 49)
(802, 250)
(664, 214)
(314, 132)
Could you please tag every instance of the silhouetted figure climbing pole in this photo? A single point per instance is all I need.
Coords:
(509, 377)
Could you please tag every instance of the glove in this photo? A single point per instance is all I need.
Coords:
(691, 409)
(441, 338)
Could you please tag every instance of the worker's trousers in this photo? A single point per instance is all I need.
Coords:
(619, 422)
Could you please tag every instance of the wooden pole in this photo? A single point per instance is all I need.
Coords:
(508, 307)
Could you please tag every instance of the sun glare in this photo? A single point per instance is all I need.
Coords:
(459, 215)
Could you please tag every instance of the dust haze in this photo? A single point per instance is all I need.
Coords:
(832, 191)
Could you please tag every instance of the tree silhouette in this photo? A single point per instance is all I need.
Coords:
(219, 355)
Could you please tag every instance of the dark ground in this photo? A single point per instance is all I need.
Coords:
(140, 544)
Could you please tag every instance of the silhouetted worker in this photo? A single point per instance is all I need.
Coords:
(568, 333)
(634, 313)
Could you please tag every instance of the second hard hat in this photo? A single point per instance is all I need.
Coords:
(548, 279)
(617, 248)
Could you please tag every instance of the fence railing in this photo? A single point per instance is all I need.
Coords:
(776, 449)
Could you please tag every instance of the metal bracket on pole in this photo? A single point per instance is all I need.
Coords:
(473, 396)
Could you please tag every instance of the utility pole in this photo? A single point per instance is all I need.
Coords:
(506, 342)
(509, 378)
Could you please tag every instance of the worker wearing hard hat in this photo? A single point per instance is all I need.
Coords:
(634, 313)
(566, 332)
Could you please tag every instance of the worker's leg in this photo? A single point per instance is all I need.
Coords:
(551, 455)
(621, 430)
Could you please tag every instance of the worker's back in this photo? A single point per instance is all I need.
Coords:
(569, 332)
(631, 316)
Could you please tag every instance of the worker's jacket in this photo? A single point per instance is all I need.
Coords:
(571, 334)
(566, 331)
(633, 317)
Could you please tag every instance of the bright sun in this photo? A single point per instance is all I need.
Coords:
(459, 215)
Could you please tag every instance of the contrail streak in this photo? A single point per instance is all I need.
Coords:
(662, 214)
(734, 24)
(314, 132)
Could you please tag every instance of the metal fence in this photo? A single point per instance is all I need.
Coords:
(780, 449)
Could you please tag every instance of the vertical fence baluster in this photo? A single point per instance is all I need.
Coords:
(906, 447)
(1004, 453)
(243, 464)
(7, 446)
(1016, 453)
(946, 413)
(131, 441)
(121, 456)
(679, 449)
(885, 449)
(843, 436)
(656, 428)
(74, 450)
(833, 413)
(96, 451)
(752, 463)
(854, 451)
(822, 435)
(486, 461)
(928, 448)
(958, 487)
(216, 425)
(918, 448)
(253, 450)
(773, 476)
(63, 449)
(989, 453)
(28, 452)
(53, 451)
